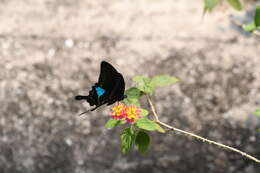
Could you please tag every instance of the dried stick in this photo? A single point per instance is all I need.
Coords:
(197, 136)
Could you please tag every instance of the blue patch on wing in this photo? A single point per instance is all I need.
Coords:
(100, 91)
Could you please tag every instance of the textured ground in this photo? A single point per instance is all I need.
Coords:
(50, 50)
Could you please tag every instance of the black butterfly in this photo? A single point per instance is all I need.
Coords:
(109, 89)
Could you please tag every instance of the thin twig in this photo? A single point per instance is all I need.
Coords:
(152, 107)
(197, 136)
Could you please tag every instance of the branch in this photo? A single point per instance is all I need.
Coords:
(197, 136)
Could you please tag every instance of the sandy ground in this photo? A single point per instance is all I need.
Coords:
(50, 50)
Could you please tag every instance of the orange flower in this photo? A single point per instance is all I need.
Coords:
(131, 114)
(128, 113)
(118, 111)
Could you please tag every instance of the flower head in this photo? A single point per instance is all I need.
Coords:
(118, 111)
(131, 114)
(127, 113)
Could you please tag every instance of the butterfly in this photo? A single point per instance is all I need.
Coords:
(109, 88)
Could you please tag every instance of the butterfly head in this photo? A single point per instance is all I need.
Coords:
(100, 91)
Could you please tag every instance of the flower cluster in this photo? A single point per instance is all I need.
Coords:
(128, 113)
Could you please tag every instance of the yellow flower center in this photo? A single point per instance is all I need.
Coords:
(128, 113)
(132, 113)
(117, 110)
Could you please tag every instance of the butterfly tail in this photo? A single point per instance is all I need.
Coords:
(79, 97)
(88, 98)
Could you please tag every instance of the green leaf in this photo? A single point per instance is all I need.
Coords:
(148, 85)
(141, 79)
(146, 88)
(258, 130)
(127, 140)
(144, 84)
(144, 112)
(144, 123)
(257, 16)
(255, 24)
(159, 128)
(257, 112)
(142, 141)
(250, 27)
(112, 123)
(132, 101)
(210, 4)
(235, 4)
(163, 80)
(133, 93)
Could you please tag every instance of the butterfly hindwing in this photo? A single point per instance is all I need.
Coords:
(92, 98)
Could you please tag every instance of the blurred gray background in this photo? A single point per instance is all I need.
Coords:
(50, 51)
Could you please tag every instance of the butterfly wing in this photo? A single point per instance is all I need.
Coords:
(107, 77)
(111, 86)
(117, 93)
(91, 98)
(107, 80)
(111, 82)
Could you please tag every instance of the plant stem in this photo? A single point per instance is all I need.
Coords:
(197, 136)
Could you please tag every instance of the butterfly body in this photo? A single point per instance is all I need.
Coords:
(109, 88)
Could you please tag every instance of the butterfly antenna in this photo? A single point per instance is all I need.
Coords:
(90, 110)
(84, 112)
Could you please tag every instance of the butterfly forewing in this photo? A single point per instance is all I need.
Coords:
(107, 80)
(107, 77)
(117, 93)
